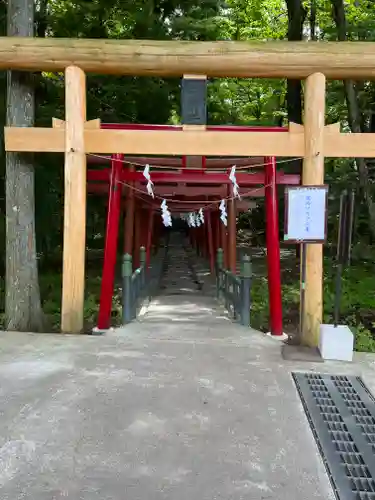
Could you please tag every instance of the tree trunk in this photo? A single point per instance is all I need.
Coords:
(22, 303)
(41, 20)
(354, 115)
(312, 20)
(3, 31)
(296, 18)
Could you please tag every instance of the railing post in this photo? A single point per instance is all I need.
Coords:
(246, 272)
(142, 265)
(142, 256)
(226, 289)
(136, 290)
(127, 271)
(219, 268)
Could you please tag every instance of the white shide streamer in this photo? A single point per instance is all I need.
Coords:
(201, 215)
(232, 177)
(165, 214)
(223, 210)
(150, 184)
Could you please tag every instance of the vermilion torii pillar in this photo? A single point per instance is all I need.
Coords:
(273, 248)
(129, 217)
(232, 231)
(210, 237)
(111, 239)
(150, 235)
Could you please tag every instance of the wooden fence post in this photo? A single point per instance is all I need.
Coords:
(73, 286)
(127, 303)
(313, 174)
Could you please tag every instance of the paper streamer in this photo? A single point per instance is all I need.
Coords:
(165, 214)
(223, 210)
(201, 215)
(150, 184)
(232, 177)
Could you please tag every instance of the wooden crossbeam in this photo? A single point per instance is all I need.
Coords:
(154, 142)
(205, 143)
(180, 206)
(172, 191)
(154, 161)
(242, 59)
(196, 178)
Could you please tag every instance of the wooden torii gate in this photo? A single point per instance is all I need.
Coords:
(314, 141)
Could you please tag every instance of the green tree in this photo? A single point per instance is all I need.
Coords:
(23, 306)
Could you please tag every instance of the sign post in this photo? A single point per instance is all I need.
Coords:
(305, 223)
(305, 214)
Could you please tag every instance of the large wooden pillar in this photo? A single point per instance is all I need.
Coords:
(73, 283)
(313, 174)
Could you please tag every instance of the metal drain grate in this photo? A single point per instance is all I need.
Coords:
(341, 412)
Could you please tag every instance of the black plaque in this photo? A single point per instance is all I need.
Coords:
(193, 101)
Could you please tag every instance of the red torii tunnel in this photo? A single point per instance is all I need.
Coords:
(188, 184)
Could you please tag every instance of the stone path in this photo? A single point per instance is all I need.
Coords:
(179, 276)
(187, 291)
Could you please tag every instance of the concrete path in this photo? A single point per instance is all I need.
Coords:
(157, 411)
(181, 405)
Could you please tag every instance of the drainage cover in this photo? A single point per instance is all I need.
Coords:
(341, 413)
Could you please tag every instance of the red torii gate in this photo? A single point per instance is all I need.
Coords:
(180, 186)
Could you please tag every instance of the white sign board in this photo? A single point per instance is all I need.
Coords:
(305, 214)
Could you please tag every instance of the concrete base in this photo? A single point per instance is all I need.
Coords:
(336, 343)
(97, 331)
(301, 353)
(282, 337)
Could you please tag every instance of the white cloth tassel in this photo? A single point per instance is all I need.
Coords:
(186, 218)
(201, 216)
(150, 184)
(191, 220)
(165, 214)
(223, 210)
(232, 177)
(197, 220)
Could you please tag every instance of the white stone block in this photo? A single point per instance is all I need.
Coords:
(336, 343)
